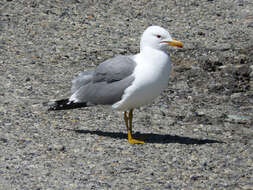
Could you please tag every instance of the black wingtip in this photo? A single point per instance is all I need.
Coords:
(64, 104)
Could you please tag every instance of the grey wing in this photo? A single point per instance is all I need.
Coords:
(108, 82)
(81, 80)
(114, 69)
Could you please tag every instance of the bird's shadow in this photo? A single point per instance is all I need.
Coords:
(151, 137)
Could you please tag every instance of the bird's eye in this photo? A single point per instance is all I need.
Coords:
(158, 36)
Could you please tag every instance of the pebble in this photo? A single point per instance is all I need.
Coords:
(238, 118)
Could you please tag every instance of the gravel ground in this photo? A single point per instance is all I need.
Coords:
(199, 132)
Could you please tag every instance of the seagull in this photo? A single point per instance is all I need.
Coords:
(125, 82)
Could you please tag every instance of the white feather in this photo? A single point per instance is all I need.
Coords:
(151, 77)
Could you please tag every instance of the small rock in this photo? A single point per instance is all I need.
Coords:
(3, 140)
(200, 112)
(239, 118)
(250, 25)
(211, 65)
(248, 186)
(29, 88)
(235, 95)
(204, 163)
(251, 73)
(200, 33)
(57, 147)
(27, 79)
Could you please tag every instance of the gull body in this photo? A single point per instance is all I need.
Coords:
(151, 77)
(125, 82)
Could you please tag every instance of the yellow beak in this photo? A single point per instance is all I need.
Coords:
(175, 43)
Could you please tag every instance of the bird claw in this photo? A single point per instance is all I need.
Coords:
(135, 141)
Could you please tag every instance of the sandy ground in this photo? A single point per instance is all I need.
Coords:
(199, 132)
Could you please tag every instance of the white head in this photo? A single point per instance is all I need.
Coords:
(158, 38)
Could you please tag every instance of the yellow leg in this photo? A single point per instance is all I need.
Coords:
(128, 121)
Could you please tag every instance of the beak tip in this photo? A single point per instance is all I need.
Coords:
(180, 45)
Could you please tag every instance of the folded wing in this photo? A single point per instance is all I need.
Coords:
(104, 85)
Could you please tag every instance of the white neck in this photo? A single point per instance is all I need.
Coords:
(148, 48)
(153, 53)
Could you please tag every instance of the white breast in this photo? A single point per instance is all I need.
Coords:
(151, 77)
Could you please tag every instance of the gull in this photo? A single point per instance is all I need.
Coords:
(125, 82)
